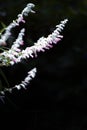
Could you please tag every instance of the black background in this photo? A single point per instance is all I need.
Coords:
(57, 97)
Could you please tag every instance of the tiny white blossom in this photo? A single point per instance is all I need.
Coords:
(18, 87)
(28, 9)
(2, 42)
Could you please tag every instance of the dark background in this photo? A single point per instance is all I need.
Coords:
(57, 97)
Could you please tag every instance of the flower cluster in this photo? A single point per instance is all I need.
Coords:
(15, 54)
(23, 84)
(15, 23)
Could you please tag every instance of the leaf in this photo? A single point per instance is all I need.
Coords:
(3, 27)
(5, 79)
(1, 85)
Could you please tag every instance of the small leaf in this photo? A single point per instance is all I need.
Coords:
(3, 27)
(5, 79)
(1, 85)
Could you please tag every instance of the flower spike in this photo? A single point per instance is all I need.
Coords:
(24, 83)
(15, 23)
(15, 55)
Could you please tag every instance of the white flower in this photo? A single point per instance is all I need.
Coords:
(15, 54)
(24, 83)
(19, 41)
(15, 23)
(28, 9)
(18, 87)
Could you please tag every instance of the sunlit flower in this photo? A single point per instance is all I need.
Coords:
(16, 54)
(24, 83)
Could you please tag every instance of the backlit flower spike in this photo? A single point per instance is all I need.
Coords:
(15, 23)
(24, 83)
(30, 76)
(19, 41)
(61, 25)
(41, 45)
(12, 53)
